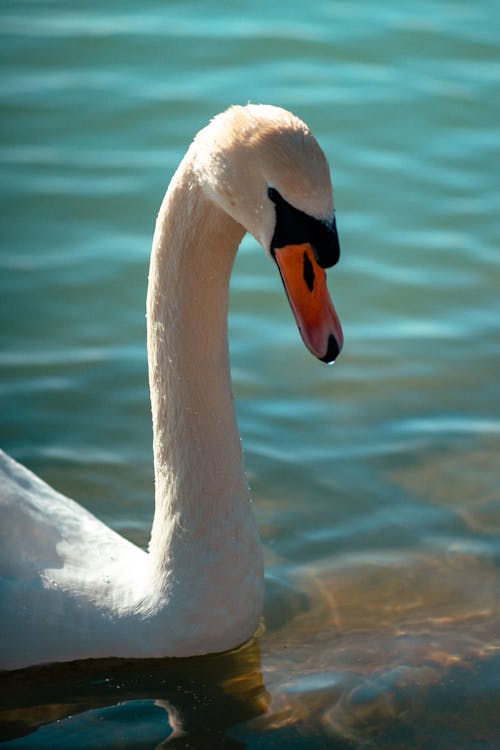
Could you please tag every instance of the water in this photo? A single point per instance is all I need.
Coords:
(376, 482)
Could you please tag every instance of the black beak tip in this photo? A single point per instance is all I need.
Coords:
(332, 352)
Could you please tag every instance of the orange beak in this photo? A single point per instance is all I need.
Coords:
(305, 285)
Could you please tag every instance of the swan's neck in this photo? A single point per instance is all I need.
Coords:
(200, 486)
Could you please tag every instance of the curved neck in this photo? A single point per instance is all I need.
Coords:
(197, 454)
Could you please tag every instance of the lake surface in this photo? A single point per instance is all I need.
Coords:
(376, 483)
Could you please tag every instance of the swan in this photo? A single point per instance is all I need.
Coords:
(71, 588)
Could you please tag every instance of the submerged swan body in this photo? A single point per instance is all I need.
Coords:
(70, 587)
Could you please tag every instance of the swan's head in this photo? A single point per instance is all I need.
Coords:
(264, 167)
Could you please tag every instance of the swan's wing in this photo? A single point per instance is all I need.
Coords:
(42, 529)
(63, 573)
(29, 534)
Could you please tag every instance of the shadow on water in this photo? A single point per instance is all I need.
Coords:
(194, 700)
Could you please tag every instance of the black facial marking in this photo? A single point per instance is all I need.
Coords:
(308, 272)
(294, 227)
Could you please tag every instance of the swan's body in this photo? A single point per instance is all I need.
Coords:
(71, 588)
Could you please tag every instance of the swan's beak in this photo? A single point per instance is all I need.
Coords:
(305, 285)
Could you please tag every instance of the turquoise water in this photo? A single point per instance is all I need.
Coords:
(375, 482)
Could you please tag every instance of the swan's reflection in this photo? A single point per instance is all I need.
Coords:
(202, 697)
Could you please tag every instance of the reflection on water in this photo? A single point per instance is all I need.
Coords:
(200, 699)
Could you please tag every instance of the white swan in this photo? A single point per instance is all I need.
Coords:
(72, 588)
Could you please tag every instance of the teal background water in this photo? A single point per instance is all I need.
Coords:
(375, 482)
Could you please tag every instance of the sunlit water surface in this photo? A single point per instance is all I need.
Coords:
(375, 482)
